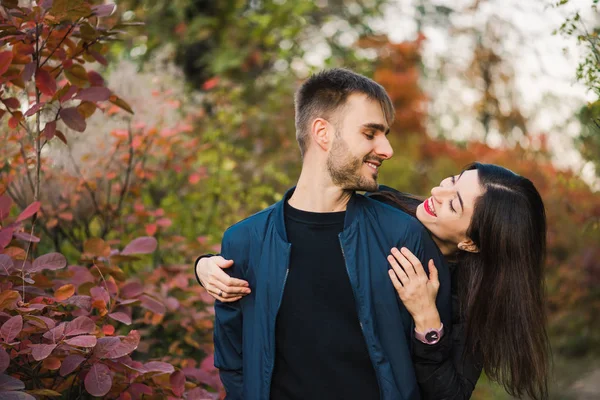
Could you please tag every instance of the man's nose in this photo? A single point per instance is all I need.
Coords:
(384, 148)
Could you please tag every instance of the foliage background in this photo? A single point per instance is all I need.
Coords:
(212, 141)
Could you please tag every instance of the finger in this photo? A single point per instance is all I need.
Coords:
(416, 263)
(229, 281)
(433, 272)
(395, 281)
(408, 267)
(218, 275)
(223, 263)
(231, 290)
(398, 270)
(218, 295)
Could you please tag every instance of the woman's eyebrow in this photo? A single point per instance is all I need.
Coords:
(460, 200)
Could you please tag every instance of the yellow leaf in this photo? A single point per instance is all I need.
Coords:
(9, 299)
(121, 103)
(77, 75)
(96, 247)
(44, 392)
(86, 108)
(64, 292)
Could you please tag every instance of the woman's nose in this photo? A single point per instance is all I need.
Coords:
(440, 191)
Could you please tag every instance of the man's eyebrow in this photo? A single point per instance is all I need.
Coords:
(377, 127)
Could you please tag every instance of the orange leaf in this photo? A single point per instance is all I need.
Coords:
(64, 292)
(108, 330)
(45, 82)
(51, 363)
(5, 61)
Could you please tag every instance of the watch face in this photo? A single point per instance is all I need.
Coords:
(432, 336)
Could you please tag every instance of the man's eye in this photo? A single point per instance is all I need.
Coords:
(370, 136)
(452, 208)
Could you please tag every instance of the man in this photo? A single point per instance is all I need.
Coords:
(338, 330)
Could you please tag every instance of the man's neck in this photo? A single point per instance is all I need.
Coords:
(316, 193)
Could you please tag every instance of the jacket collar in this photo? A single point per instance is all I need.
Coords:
(351, 212)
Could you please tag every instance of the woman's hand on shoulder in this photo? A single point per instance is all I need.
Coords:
(416, 290)
(217, 282)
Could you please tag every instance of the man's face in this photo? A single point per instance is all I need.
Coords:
(359, 146)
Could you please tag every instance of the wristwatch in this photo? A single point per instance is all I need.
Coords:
(432, 336)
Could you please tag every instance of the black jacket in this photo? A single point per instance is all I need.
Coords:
(443, 373)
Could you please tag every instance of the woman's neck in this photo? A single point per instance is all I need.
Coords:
(447, 248)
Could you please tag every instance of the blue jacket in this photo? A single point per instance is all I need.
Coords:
(244, 332)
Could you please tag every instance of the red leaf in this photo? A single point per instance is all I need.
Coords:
(13, 122)
(50, 130)
(79, 326)
(132, 289)
(73, 119)
(152, 304)
(5, 204)
(11, 328)
(35, 108)
(4, 360)
(70, 364)
(95, 78)
(139, 389)
(151, 229)
(121, 317)
(41, 351)
(98, 380)
(6, 264)
(12, 102)
(61, 136)
(82, 341)
(51, 261)
(6, 235)
(56, 334)
(211, 83)
(69, 94)
(29, 211)
(28, 71)
(8, 383)
(94, 93)
(26, 237)
(99, 57)
(104, 10)
(177, 380)
(98, 292)
(105, 345)
(141, 245)
(158, 366)
(128, 344)
(83, 302)
(5, 61)
(45, 82)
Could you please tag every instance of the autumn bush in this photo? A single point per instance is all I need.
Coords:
(86, 328)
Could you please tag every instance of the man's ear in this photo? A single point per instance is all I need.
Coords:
(468, 246)
(321, 133)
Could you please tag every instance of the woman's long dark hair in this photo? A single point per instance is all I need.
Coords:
(501, 288)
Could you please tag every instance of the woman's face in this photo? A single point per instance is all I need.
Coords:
(447, 213)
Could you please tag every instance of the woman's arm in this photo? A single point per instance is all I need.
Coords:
(441, 369)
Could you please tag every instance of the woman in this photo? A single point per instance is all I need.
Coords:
(490, 224)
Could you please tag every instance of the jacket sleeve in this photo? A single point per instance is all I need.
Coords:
(443, 372)
(228, 329)
(196, 263)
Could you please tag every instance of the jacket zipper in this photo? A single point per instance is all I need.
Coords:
(359, 319)
(287, 271)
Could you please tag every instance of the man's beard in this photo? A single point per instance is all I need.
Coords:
(344, 169)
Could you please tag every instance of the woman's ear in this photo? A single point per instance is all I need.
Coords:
(468, 246)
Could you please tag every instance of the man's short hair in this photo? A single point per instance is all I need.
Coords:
(326, 92)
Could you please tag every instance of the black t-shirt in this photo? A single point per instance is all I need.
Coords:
(320, 350)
